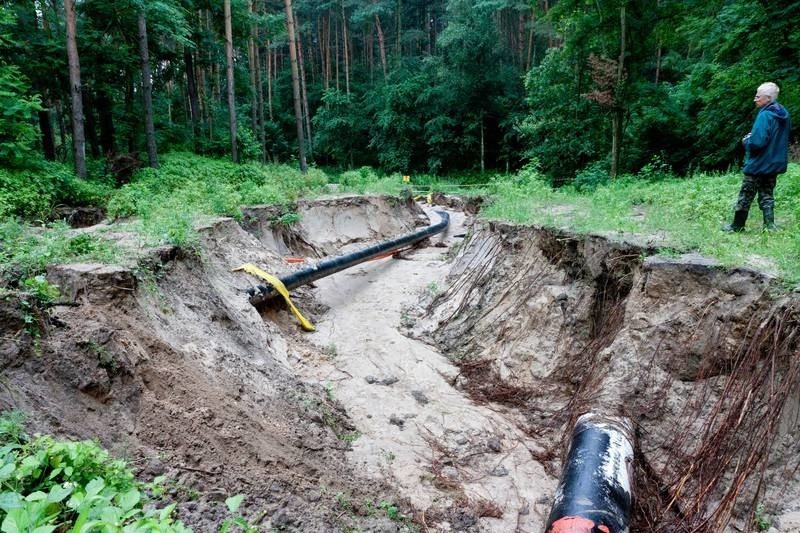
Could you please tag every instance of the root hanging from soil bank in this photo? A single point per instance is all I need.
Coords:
(731, 457)
(361, 426)
(705, 361)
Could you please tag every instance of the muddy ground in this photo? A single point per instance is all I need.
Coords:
(443, 382)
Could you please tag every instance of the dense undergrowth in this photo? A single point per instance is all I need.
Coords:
(163, 206)
(49, 485)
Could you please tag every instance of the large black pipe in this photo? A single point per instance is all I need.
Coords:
(594, 494)
(326, 267)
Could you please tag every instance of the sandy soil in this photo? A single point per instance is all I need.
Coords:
(444, 381)
(448, 456)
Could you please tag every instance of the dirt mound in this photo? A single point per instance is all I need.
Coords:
(439, 388)
(167, 364)
(703, 359)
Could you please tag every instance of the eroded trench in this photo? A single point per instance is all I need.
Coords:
(443, 382)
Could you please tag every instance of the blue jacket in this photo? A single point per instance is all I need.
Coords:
(767, 146)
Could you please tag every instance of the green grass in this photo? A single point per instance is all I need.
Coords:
(165, 205)
(680, 214)
(171, 200)
(25, 251)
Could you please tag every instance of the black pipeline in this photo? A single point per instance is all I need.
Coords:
(326, 267)
(594, 494)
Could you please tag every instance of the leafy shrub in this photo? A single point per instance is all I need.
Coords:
(42, 290)
(51, 484)
(358, 180)
(33, 192)
(170, 199)
(594, 175)
(247, 144)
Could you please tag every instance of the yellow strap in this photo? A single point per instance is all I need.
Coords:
(282, 290)
(427, 197)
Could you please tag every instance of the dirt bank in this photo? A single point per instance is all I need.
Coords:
(442, 382)
(701, 358)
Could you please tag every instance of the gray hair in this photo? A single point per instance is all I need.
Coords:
(769, 89)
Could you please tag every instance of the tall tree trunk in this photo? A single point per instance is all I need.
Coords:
(336, 58)
(259, 92)
(531, 44)
(658, 61)
(251, 66)
(381, 44)
(191, 88)
(428, 30)
(130, 119)
(328, 51)
(62, 128)
(298, 112)
(521, 38)
(270, 55)
(483, 149)
(147, 93)
(346, 53)
(618, 111)
(229, 70)
(48, 142)
(78, 137)
(399, 49)
(304, 96)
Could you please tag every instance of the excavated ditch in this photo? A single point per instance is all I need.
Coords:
(445, 381)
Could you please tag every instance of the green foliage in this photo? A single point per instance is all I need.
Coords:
(391, 510)
(16, 132)
(34, 191)
(686, 214)
(26, 251)
(594, 175)
(41, 290)
(358, 180)
(342, 128)
(287, 219)
(169, 200)
(561, 130)
(233, 503)
(761, 521)
(397, 131)
(49, 484)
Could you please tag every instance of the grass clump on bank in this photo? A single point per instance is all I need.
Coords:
(170, 200)
(682, 214)
(25, 251)
(164, 206)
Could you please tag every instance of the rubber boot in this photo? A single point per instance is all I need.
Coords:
(769, 219)
(739, 219)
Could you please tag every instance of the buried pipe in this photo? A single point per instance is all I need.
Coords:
(326, 267)
(594, 494)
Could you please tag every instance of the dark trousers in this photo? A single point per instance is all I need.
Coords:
(764, 185)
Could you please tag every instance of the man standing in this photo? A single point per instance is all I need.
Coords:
(767, 153)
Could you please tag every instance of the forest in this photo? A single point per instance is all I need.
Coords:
(145, 145)
(583, 90)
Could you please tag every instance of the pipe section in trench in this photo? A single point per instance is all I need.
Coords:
(262, 293)
(594, 494)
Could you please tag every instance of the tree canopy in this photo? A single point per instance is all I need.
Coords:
(585, 90)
